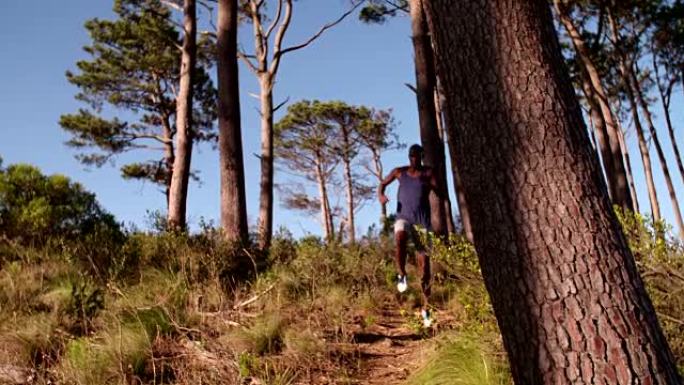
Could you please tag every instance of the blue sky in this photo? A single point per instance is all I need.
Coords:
(353, 62)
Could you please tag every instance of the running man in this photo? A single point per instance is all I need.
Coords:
(413, 215)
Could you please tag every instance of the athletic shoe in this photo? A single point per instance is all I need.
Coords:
(427, 320)
(402, 285)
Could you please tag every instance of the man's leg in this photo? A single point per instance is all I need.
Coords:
(423, 261)
(401, 238)
(425, 279)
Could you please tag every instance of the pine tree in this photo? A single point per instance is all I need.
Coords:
(130, 84)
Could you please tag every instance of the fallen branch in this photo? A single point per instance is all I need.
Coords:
(253, 299)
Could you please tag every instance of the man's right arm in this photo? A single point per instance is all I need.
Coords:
(381, 189)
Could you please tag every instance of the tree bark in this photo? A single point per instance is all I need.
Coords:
(265, 227)
(425, 88)
(178, 193)
(659, 151)
(616, 175)
(568, 299)
(233, 200)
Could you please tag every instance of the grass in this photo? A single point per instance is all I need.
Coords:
(175, 312)
(461, 359)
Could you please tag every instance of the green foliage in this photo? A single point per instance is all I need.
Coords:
(646, 237)
(660, 260)
(135, 67)
(35, 208)
(462, 360)
(377, 11)
(84, 304)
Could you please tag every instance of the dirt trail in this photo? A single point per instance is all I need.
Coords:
(393, 347)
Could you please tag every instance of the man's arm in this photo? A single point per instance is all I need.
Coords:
(381, 189)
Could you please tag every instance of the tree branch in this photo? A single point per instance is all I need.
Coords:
(320, 31)
(271, 27)
(276, 108)
(279, 38)
(172, 4)
(252, 67)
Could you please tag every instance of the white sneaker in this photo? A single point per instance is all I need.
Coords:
(402, 285)
(427, 321)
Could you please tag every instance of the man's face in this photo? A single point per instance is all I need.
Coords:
(415, 157)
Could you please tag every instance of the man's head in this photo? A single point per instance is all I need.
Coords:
(415, 155)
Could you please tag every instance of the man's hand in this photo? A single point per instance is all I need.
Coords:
(383, 198)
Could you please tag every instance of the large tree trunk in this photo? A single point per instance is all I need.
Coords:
(265, 228)
(615, 176)
(233, 201)
(178, 194)
(568, 299)
(425, 88)
(659, 151)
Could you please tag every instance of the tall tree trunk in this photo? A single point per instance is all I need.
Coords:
(659, 151)
(616, 176)
(458, 185)
(351, 229)
(673, 140)
(599, 125)
(451, 226)
(266, 186)
(326, 215)
(169, 157)
(665, 95)
(628, 167)
(233, 201)
(570, 303)
(178, 194)
(379, 173)
(634, 108)
(425, 88)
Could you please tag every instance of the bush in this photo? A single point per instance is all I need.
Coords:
(35, 208)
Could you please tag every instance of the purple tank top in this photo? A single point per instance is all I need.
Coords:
(413, 203)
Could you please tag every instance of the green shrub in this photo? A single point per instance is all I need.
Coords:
(35, 207)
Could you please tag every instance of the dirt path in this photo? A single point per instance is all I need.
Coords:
(393, 347)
